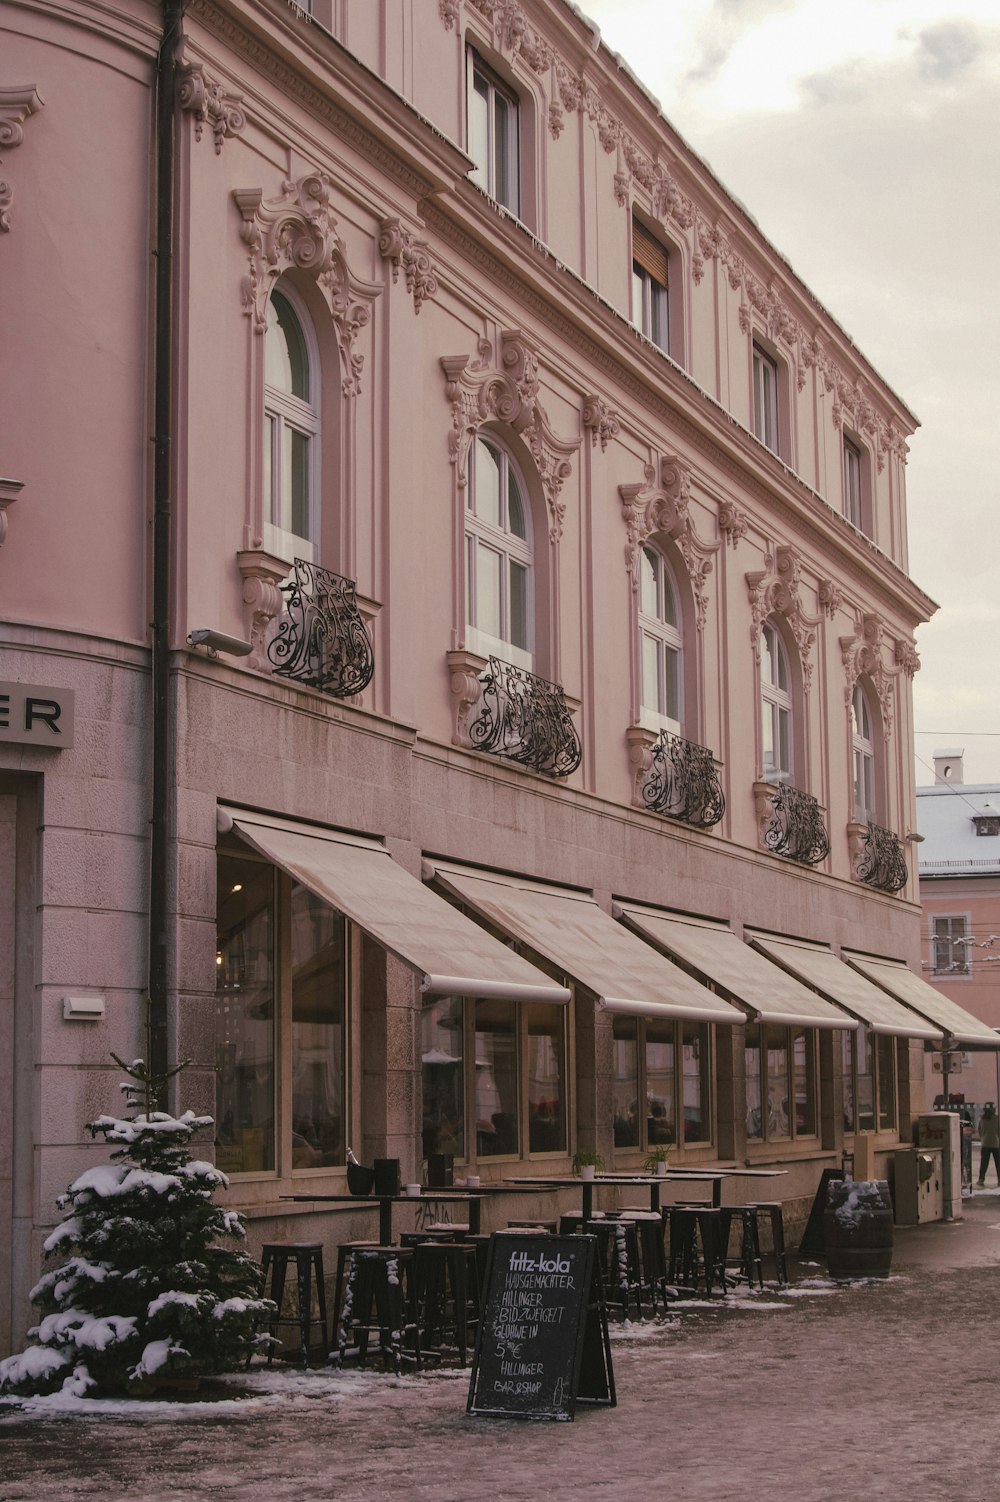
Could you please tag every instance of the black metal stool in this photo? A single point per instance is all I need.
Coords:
(308, 1259)
(773, 1210)
(375, 1286)
(650, 1229)
(687, 1262)
(345, 1252)
(445, 1294)
(618, 1253)
(749, 1260)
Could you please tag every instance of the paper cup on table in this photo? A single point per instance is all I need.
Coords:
(472, 1182)
(413, 1191)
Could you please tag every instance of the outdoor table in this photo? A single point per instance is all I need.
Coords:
(654, 1181)
(385, 1202)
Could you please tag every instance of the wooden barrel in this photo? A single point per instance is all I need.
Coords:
(857, 1228)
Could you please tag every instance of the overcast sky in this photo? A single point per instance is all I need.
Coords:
(864, 138)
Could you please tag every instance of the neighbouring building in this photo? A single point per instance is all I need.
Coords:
(960, 899)
(457, 647)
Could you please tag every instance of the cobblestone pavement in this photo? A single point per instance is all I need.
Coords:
(879, 1390)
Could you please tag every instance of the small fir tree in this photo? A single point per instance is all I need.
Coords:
(145, 1287)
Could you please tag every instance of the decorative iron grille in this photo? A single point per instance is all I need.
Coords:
(526, 719)
(881, 862)
(322, 639)
(682, 782)
(795, 827)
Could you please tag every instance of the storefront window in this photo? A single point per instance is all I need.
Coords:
(496, 1111)
(546, 1053)
(244, 1017)
(318, 992)
(653, 1108)
(778, 1125)
(781, 1082)
(661, 1090)
(870, 1063)
(626, 1082)
(847, 1059)
(886, 1071)
(443, 1075)
(755, 1114)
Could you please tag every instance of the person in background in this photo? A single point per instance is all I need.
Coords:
(989, 1141)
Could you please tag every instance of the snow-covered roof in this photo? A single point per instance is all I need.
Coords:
(946, 817)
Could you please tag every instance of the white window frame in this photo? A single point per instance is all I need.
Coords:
(776, 703)
(685, 1071)
(285, 414)
(765, 398)
(513, 550)
(854, 505)
(862, 756)
(956, 931)
(666, 637)
(499, 152)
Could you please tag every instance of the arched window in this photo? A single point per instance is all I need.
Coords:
(775, 707)
(498, 566)
(291, 429)
(862, 756)
(660, 643)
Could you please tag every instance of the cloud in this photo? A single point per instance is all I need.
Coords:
(949, 49)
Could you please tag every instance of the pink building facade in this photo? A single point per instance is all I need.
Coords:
(457, 634)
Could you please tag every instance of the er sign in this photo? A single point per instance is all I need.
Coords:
(35, 715)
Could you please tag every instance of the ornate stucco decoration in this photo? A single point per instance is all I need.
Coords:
(300, 230)
(774, 590)
(263, 576)
(830, 597)
(600, 420)
(862, 654)
(9, 492)
(209, 103)
(732, 523)
(506, 392)
(398, 246)
(16, 104)
(664, 507)
(906, 658)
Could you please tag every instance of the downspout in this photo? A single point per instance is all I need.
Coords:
(162, 724)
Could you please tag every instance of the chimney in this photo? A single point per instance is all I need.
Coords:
(948, 766)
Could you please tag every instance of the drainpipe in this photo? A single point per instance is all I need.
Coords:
(162, 726)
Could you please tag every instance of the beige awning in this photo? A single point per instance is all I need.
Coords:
(818, 966)
(582, 941)
(899, 980)
(714, 951)
(361, 880)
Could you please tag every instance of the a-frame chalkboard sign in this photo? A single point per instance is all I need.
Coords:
(542, 1344)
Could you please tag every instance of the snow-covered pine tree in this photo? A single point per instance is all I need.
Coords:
(146, 1285)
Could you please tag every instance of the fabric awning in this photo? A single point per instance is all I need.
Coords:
(714, 950)
(899, 980)
(360, 879)
(578, 937)
(818, 966)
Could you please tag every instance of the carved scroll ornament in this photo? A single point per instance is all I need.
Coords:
(774, 590)
(861, 655)
(209, 103)
(299, 230)
(481, 391)
(398, 246)
(663, 508)
(16, 104)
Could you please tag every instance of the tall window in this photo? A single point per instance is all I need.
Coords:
(494, 1078)
(498, 557)
(291, 431)
(662, 1082)
(659, 642)
(775, 706)
(493, 134)
(853, 497)
(650, 287)
(781, 1093)
(280, 1018)
(869, 1081)
(765, 398)
(951, 945)
(863, 756)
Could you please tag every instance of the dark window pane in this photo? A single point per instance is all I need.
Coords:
(244, 1016)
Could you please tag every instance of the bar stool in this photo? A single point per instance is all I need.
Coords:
(749, 1260)
(618, 1254)
(774, 1212)
(445, 1294)
(547, 1227)
(375, 1285)
(345, 1252)
(308, 1259)
(650, 1228)
(688, 1225)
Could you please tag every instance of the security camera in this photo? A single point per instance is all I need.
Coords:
(218, 641)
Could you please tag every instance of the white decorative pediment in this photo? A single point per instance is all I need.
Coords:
(506, 392)
(861, 655)
(16, 104)
(299, 230)
(774, 590)
(664, 508)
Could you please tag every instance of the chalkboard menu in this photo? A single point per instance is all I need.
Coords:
(542, 1342)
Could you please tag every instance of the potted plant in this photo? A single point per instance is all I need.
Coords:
(657, 1159)
(586, 1163)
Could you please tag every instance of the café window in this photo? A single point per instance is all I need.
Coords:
(494, 1078)
(869, 1081)
(280, 1020)
(662, 1082)
(781, 1098)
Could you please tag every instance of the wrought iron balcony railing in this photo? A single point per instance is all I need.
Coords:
(525, 719)
(880, 860)
(682, 782)
(322, 639)
(794, 826)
